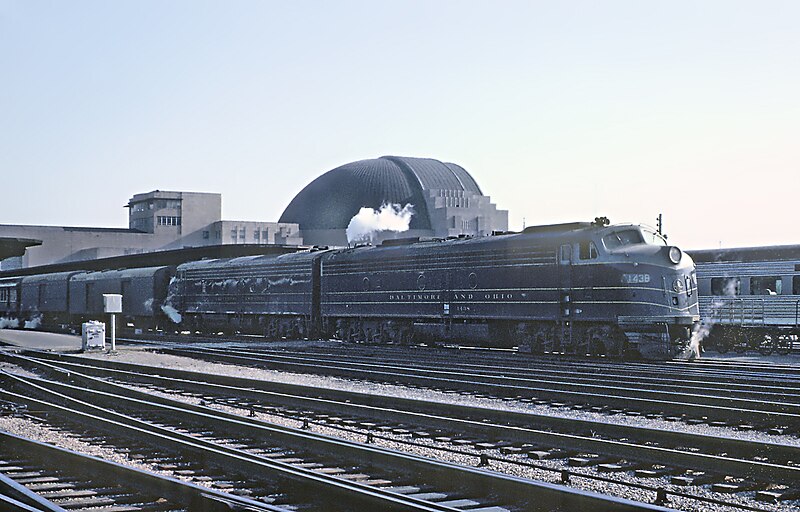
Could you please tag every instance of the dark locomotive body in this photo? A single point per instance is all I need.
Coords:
(270, 295)
(583, 288)
(576, 288)
(750, 297)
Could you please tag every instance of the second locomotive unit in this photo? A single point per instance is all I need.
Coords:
(580, 288)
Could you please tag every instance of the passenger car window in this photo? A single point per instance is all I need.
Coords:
(725, 286)
(765, 285)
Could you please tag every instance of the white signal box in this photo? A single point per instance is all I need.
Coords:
(112, 303)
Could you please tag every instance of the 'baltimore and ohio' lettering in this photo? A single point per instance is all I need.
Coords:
(414, 296)
(456, 296)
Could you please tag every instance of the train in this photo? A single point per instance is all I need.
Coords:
(750, 297)
(573, 288)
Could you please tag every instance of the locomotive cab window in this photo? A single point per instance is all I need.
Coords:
(623, 238)
(653, 238)
(765, 285)
(725, 286)
(587, 251)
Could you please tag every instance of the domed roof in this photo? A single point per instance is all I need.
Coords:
(330, 201)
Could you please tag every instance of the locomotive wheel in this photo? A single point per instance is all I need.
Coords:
(784, 345)
(767, 345)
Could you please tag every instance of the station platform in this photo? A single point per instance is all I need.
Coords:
(39, 340)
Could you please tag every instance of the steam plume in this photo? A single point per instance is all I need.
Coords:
(172, 313)
(8, 323)
(368, 222)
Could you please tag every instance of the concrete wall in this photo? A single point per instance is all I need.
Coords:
(64, 244)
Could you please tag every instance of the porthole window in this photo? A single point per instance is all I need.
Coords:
(365, 284)
(421, 282)
(472, 280)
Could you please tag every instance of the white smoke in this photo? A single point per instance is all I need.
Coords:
(34, 322)
(172, 313)
(368, 222)
(701, 332)
(9, 323)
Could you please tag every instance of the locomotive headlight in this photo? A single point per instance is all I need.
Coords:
(675, 255)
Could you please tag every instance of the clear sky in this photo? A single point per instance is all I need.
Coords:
(561, 110)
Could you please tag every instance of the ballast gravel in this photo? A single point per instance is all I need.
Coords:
(425, 447)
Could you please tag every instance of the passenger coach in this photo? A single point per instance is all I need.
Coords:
(750, 297)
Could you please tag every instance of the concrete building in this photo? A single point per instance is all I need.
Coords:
(158, 221)
(445, 198)
(447, 201)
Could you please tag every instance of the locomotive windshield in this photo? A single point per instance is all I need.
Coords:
(653, 237)
(627, 237)
(623, 238)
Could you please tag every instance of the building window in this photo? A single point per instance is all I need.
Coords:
(206, 234)
(257, 235)
(233, 234)
(217, 234)
(242, 233)
(265, 235)
(169, 220)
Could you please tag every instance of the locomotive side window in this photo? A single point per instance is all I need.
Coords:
(765, 285)
(588, 251)
(565, 254)
(725, 286)
(796, 285)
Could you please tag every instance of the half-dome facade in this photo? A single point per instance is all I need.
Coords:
(446, 200)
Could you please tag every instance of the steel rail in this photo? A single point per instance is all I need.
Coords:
(504, 425)
(683, 370)
(773, 391)
(520, 491)
(771, 413)
(107, 472)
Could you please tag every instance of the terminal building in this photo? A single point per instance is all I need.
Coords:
(157, 221)
(445, 199)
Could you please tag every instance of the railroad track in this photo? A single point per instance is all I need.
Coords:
(37, 476)
(769, 409)
(491, 436)
(354, 476)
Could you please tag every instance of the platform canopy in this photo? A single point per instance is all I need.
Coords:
(10, 247)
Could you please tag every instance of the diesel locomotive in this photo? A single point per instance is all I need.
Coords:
(578, 288)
